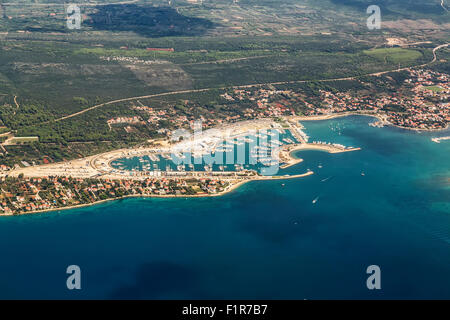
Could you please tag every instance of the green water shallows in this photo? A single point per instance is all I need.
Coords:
(388, 204)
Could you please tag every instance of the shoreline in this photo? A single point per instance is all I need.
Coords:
(235, 184)
(422, 130)
(99, 164)
(228, 190)
(77, 206)
(85, 168)
(330, 116)
(319, 147)
(368, 114)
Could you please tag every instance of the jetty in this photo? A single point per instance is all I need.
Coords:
(438, 140)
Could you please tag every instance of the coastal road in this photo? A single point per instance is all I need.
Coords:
(242, 87)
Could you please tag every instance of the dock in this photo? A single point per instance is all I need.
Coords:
(438, 140)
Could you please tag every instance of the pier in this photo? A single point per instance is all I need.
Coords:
(438, 140)
(295, 128)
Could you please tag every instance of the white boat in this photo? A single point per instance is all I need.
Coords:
(315, 200)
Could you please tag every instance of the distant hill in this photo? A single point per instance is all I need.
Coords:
(146, 20)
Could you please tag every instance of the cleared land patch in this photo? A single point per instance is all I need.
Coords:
(394, 55)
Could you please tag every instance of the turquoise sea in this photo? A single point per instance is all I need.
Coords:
(386, 205)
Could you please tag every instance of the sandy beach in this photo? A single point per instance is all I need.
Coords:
(320, 147)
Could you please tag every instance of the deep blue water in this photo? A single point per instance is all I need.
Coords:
(263, 241)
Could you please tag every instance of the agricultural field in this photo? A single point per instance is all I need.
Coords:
(394, 55)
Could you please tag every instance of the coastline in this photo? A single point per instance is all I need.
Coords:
(421, 130)
(86, 168)
(228, 190)
(335, 115)
(289, 160)
(367, 114)
(98, 164)
(319, 147)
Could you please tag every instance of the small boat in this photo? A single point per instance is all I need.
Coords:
(282, 184)
(363, 174)
(326, 179)
(315, 200)
(319, 166)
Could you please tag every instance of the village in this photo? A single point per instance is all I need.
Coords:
(423, 103)
(22, 194)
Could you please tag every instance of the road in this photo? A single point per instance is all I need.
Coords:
(435, 50)
(242, 87)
